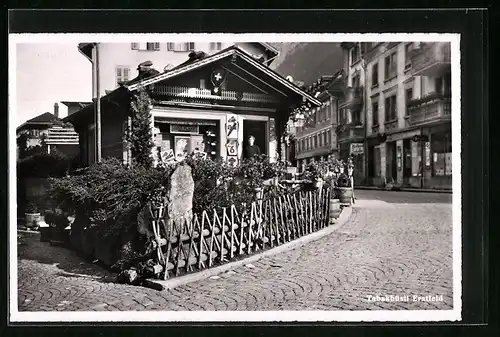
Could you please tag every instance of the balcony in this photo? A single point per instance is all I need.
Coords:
(350, 133)
(353, 98)
(60, 136)
(431, 109)
(431, 58)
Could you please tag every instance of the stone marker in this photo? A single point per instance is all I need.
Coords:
(180, 198)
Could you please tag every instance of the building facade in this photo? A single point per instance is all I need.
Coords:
(118, 62)
(406, 108)
(316, 140)
(48, 132)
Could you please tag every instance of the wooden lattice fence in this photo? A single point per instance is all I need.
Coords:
(222, 235)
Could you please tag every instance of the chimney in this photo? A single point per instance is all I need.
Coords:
(144, 68)
(56, 110)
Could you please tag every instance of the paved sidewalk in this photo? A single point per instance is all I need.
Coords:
(385, 249)
(406, 189)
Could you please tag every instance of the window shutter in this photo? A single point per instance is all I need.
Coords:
(126, 74)
(170, 46)
(156, 46)
(135, 46)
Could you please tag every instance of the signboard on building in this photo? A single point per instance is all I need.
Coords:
(185, 129)
(232, 147)
(427, 154)
(232, 126)
(357, 148)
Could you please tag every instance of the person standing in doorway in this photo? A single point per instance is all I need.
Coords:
(251, 149)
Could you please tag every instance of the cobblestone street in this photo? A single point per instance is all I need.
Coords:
(386, 248)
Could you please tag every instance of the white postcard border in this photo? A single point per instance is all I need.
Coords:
(249, 316)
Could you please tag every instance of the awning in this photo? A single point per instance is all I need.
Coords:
(183, 121)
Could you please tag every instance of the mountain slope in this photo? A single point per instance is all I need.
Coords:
(308, 61)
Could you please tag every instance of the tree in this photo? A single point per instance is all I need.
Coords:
(140, 135)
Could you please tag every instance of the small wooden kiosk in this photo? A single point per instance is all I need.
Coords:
(209, 104)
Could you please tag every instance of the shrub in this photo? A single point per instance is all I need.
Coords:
(343, 180)
(106, 191)
(56, 219)
(315, 171)
(211, 178)
(44, 165)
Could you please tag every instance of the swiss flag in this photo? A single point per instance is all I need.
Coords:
(218, 77)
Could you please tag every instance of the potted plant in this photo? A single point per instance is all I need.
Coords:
(344, 189)
(314, 173)
(32, 215)
(334, 207)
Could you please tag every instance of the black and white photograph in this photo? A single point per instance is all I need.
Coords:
(235, 177)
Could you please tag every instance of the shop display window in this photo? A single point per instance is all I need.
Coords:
(441, 154)
(204, 138)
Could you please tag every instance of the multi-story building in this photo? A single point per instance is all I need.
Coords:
(405, 106)
(316, 139)
(48, 132)
(118, 62)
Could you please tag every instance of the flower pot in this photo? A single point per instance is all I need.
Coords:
(334, 211)
(344, 194)
(32, 219)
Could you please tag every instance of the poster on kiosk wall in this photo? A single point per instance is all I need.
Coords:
(232, 126)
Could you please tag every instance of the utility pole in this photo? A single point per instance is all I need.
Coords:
(97, 116)
(365, 104)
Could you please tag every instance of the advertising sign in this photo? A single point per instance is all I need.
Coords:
(427, 154)
(357, 148)
(186, 129)
(232, 127)
(232, 147)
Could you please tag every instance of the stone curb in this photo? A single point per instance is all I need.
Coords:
(204, 274)
(397, 189)
(27, 232)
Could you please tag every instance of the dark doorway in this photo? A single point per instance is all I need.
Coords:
(371, 166)
(407, 171)
(391, 164)
(258, 130)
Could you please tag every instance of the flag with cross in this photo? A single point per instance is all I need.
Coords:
(217, 77)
